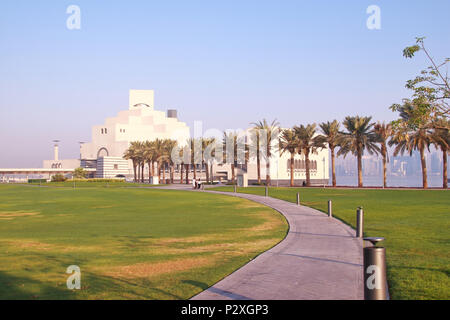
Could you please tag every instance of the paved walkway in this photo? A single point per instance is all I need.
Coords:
(319, 259)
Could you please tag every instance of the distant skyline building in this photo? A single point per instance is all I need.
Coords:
(402, 165)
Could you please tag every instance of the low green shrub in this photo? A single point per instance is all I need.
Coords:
(58, 178)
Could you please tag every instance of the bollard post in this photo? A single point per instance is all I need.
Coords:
(375, 284)
(298, 198)
(330, 209)
(359, 222)
(235, 188)
(267, 191)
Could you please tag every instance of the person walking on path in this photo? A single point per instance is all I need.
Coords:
(194, 184)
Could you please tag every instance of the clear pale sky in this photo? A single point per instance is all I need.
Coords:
(227, 63)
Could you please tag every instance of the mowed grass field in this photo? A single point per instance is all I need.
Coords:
(89, 184)
(130, 243)
(415, 223)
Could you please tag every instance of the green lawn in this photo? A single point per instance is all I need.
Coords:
(130, 243)
(415, 223)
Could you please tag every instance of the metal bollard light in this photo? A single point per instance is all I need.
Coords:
(267, 191)
(330, 209)
(375, 284)
(298, 198)
(235, 188)
(359, 222)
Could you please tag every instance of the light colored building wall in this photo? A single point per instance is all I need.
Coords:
(139, 123)
(61, 164)
(111, 167)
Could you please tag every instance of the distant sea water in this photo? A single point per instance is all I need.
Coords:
(392, 181)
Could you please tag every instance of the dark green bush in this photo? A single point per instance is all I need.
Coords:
(37, 180)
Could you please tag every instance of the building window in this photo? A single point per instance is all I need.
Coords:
(116, 167)
(102, 130)
(106, 131)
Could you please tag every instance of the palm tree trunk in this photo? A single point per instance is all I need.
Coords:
(164, 172)
(258, 168)
(333, 168)
(268, 169)
(150, 172)
(207, 172)
(171, 173)
(134, 171)
(444, 173)
(292, 169)
(195, 171)
(233, 177)
(258, 160)
(181, 173)
(187, 173)
(308, 176)
(360, 179)
(424, 167)
(211, 177)
(142, 172)
(384, 169)
(139, 172)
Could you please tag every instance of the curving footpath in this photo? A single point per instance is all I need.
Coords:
(319, 259)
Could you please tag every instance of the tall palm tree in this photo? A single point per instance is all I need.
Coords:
(208, 156)
(331, 136)
(193, 143)
(407, 138)
(255, 140)
(139, 149)
(168, 146)
(415, 140)
(160, 157)
(441, 139)
(182, 150)
(150, 156)
(383, 133)
(131, 154)
(359, 137)
(308, 143)
(271, 132)
(289, 143)
(187, 155)
(230, 138)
